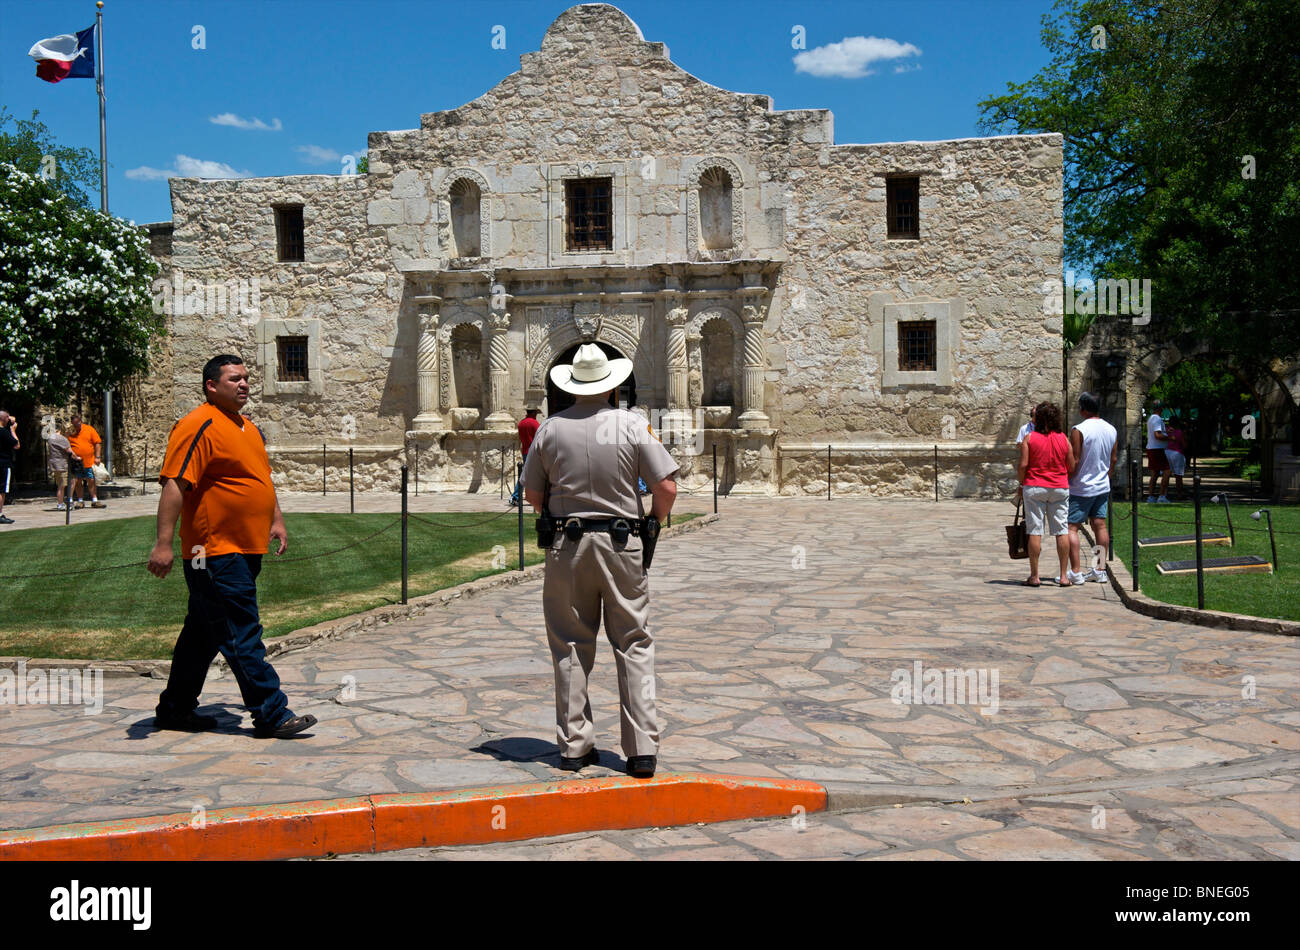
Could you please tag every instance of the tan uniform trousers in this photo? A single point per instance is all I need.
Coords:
(586, 582)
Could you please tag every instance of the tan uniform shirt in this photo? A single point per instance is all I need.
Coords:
(59, 452)
(591, 456)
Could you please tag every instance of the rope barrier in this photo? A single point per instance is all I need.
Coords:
(473, 524)
(312, 557)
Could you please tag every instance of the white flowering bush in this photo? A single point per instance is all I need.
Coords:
(75, 301)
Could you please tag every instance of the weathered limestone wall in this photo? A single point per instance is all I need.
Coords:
(809, 257)
(344, 295)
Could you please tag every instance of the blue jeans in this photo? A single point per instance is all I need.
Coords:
(222, 616)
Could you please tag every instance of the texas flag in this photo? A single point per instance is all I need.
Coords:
(66, 57)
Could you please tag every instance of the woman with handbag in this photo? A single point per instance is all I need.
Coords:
(1046, 461)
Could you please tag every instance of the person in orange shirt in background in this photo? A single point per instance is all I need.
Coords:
(86, 448)
(217, 477)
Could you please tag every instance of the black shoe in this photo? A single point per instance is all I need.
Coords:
(4, 520)
(641, 766)
(574, 764)
(190, 722)
(290, 727)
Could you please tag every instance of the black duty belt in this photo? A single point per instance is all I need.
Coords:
(601, 524)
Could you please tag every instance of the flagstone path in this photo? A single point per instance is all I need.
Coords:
(778, 634)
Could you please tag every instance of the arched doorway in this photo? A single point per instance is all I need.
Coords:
(557, 400)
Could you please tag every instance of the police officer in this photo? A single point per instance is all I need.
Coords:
(582, 470)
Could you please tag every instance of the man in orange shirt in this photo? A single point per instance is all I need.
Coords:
(217, 477)
(86, 448)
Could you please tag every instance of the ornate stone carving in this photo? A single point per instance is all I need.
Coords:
(484, 208)
(755, 362)
(498, 354)
(587, 318)
(693, 205)
(429, 407)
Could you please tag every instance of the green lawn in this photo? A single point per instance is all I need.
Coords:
(130, 614)
(1274, 595)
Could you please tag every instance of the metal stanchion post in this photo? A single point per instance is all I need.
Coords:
(521, 523)
(715, 479)
(144, 472)
(322, 468)
(1110, 528)
(936, 473)
(828, 473)
(352, 489)
(404, 575)
(1134, 489)
(417, 466)
(1200, 549)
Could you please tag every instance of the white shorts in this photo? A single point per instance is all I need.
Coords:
(1046, 504)
(1177, 462)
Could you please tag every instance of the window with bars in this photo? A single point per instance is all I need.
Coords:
(902, 196)
(916, 346)
(589, 214)
(288, 232)
(292, 362)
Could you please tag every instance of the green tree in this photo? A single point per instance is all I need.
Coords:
(74, 293)
(1165, 106)
(30, 147)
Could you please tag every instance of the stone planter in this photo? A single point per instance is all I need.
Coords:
(462, 418)
(716, 417)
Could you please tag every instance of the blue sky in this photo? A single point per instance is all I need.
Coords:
(294, 86)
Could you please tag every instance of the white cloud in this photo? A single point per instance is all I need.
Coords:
(851, 57)
(229, 118)
(315, 155)
(907, 69)
(187, 167)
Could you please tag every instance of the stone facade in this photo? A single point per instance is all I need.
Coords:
(748, 274)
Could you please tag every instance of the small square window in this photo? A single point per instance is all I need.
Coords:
(589, 214)
(916, 346)
(292, 359)
(902, 196)
(288, 232)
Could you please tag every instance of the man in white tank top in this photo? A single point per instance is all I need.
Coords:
(1096, 446)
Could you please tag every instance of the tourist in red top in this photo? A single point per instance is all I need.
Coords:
(1046, 463)
(527, 430)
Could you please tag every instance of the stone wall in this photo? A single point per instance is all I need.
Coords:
(809, 257)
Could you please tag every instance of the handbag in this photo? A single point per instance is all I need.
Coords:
(1017, 538)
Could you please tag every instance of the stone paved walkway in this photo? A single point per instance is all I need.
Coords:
(778, 630)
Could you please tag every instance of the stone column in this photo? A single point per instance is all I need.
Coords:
(429, 418)
(675, 362)
(498, 395)
(755, 365)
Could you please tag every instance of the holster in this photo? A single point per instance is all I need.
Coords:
(546, 525)
(649, 538)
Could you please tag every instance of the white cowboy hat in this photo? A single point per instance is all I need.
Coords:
(592, 372)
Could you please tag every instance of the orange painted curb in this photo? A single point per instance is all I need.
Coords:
(423, 819)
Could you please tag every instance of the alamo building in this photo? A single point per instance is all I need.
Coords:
(777, 293)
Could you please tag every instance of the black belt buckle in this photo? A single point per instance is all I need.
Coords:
(620, 531)
(573, 529)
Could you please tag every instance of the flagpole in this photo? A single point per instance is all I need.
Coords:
(103, 205)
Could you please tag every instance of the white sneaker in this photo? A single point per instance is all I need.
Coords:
(60, 507)
(1162, 500)
(1097, 574)
(1075, 579)
(1151, 499)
